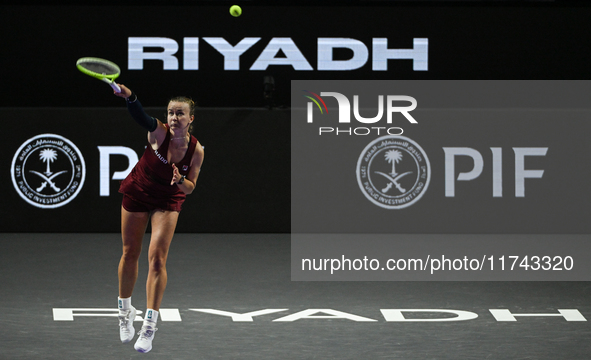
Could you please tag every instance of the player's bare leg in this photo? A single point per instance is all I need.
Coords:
(163, 226)
(133, 227)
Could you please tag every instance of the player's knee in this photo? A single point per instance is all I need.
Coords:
(131, 254)
(157, 263)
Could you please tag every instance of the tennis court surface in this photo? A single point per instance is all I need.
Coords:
(219, 282)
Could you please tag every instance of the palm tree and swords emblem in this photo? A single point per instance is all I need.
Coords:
(48, 156)
(393, 157)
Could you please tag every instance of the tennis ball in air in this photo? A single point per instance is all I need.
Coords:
(235, 10)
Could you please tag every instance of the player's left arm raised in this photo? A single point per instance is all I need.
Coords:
(188, 185)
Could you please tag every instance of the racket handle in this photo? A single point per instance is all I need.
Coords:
(113, 84)
(115, 87)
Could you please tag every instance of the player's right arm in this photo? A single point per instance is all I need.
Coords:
(156, 129)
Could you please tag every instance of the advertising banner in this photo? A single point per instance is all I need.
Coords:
(224, 61)
(63, 168)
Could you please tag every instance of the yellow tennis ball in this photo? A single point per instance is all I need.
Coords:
(235, 10)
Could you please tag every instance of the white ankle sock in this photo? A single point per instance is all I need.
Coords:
(151, 317)
(124, 304)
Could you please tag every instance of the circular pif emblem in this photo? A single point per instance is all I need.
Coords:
(393, 172)
(48, 171)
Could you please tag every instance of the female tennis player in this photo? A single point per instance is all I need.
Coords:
(154, 191)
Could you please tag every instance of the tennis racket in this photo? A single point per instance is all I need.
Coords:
(101, 69)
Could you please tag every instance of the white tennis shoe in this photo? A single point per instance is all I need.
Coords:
(144, 342)
(126, 329)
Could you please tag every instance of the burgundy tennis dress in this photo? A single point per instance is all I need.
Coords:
(148, 183)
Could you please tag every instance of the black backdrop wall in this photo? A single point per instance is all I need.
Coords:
(244, 186)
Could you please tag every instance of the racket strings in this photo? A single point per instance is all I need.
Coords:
(100, 68)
